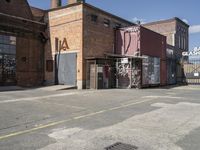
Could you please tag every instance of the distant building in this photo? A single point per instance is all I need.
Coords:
(177, 33)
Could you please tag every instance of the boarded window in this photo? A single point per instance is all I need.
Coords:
(94, 18)
(49, 65)
(106, 22)
(117, 25)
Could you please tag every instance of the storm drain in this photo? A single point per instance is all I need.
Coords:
(121, 146)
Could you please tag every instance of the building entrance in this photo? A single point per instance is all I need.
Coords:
(66, 69)
(7, 60)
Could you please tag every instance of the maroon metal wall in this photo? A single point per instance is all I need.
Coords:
(127, 43)
(154, 44)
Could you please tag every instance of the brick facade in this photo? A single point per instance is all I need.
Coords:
(87, 31)
(99, 34)
(88, 38)
(64, 23)
(17, 20)
(176, 31)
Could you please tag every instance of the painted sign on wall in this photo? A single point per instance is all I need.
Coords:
(195, 52)
(61, 45)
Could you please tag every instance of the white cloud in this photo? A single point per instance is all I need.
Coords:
(185, 20)
(195, 29)
(135, 20)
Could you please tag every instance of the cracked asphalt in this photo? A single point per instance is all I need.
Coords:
(151, 119)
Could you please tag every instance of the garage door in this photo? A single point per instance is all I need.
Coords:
(66, 69)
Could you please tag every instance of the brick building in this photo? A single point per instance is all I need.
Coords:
(177, 33)
(21, 44)
(73, 44)
(79, 33)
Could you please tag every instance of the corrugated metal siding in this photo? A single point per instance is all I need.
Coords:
(151, 71)
(154, 44)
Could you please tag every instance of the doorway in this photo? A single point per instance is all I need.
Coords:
(66, 69)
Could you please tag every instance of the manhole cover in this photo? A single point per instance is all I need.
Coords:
(121, 146)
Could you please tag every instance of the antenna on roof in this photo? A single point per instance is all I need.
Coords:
(138, 22)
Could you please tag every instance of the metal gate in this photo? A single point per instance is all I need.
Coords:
(100, 74)
(7, 69)
(171, 71)
(128, 73)
(7, 60)
(66, 73)
(192, 72)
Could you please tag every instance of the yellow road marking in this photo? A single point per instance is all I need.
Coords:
(74, 118)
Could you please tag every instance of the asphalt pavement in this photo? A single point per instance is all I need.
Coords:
(149, 119)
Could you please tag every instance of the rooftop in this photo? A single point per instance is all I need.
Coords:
(93, 7)
(165, 21)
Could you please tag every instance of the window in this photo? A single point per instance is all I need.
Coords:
(7, 44)
(49, 65)
(94, 18)
(117, 25)
(179, 41)
(106, 22)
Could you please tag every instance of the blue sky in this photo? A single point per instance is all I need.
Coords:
(147, 11)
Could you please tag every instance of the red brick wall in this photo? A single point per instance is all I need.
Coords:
(29, 65)
(16, 7)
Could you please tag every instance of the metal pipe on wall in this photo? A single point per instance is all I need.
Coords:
(56, 3)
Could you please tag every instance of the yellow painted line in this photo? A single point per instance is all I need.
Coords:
(33, 129)
(74, 118)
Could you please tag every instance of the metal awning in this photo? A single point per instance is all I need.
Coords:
(93, 58)
(124, 56)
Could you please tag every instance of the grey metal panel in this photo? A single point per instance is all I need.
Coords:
(66, 68)
(171, 71)
(151, 71)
